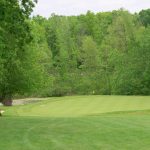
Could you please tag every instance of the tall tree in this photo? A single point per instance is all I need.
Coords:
(15, 35)
(144, 17)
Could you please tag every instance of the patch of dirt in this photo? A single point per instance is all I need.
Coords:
(27, 101)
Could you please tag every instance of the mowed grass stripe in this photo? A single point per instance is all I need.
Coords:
(104, 132)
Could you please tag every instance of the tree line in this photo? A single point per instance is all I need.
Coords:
(104, 53)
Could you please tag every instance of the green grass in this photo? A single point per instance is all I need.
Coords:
(78, 123)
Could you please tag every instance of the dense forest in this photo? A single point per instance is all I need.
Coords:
(105, 53)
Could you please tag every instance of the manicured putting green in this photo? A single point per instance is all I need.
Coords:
(82, 105)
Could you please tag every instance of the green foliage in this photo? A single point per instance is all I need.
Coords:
(144, 17)
(19, 58)
(98, 54)
(104, 53)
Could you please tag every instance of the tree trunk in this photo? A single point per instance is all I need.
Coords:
(7, 101)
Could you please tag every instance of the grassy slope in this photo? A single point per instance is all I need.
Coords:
(78, 123)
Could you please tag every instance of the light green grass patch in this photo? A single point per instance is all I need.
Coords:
(82, 105)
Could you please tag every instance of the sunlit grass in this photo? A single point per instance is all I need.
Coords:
(78, 123)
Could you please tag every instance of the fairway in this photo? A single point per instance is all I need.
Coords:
(78, 123)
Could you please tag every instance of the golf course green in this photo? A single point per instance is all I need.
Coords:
(78, 123)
